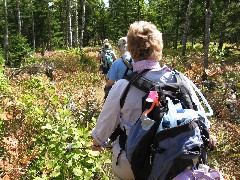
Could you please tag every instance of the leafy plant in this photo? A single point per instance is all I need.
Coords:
(18, 49)
(45, 124)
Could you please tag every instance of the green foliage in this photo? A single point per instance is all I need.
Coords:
(3, 84)
(2, 61)
(47, 122)
(3, 81)
(54, 140)
(87, 62)
(18, 49)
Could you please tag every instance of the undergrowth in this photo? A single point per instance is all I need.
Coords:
(45, 121)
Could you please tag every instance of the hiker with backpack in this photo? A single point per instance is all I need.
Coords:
(106, 56)
(120, 67)
(133, 115)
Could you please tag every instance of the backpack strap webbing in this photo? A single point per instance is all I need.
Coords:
(131, 78)
(119, 131)
(170, 89)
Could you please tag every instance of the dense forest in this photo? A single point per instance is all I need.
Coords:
(51, 90)
(31, 25)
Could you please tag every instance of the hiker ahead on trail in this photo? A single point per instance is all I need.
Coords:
(120, 67)
(106, 56)
(126, 113)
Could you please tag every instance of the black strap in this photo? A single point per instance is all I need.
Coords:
(188, 98)
(134, 76)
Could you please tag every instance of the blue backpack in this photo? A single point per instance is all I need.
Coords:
(170, 135)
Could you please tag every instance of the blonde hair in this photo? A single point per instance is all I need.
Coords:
(144, 41)
(122, 43)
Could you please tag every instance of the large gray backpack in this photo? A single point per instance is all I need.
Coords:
(159, 146)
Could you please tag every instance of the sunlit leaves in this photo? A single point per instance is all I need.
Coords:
(77, 171)
(92, 153)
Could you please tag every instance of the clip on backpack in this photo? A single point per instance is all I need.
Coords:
(160, 145)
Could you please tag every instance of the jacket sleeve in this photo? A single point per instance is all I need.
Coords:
(109, 117)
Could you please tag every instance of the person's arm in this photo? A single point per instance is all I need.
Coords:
(99, 56)
(108, 87)
(111, 79)
(96, 146)
(109, 117)
(110, 83)
(114, 56)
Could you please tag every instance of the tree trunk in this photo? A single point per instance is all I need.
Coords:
(83, 23)
(222, 36)
(223, 27)
(177, 27)
(19, 17)
(208, 14)
(33, 30)
(60, 15)
(49, 26)
(76, 39)
(186, 28)
(69, 25)
(6, 34)
(139, 10)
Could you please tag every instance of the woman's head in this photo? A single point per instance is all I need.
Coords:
(106, 46)
(144, 41)
(122, 44)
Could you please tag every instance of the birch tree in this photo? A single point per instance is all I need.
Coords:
(69, 25)
(6, 55)
(50, 5)
(177, 25)
(208, 14)
(75, 37)
(19, 17)
(222, 24)
(33, 28)
(186, 28)
(83, 22)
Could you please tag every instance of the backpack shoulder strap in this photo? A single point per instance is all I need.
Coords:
(131, 78)
(128, 65)
(139, 81)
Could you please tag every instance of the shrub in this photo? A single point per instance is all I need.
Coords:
(18, 49)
